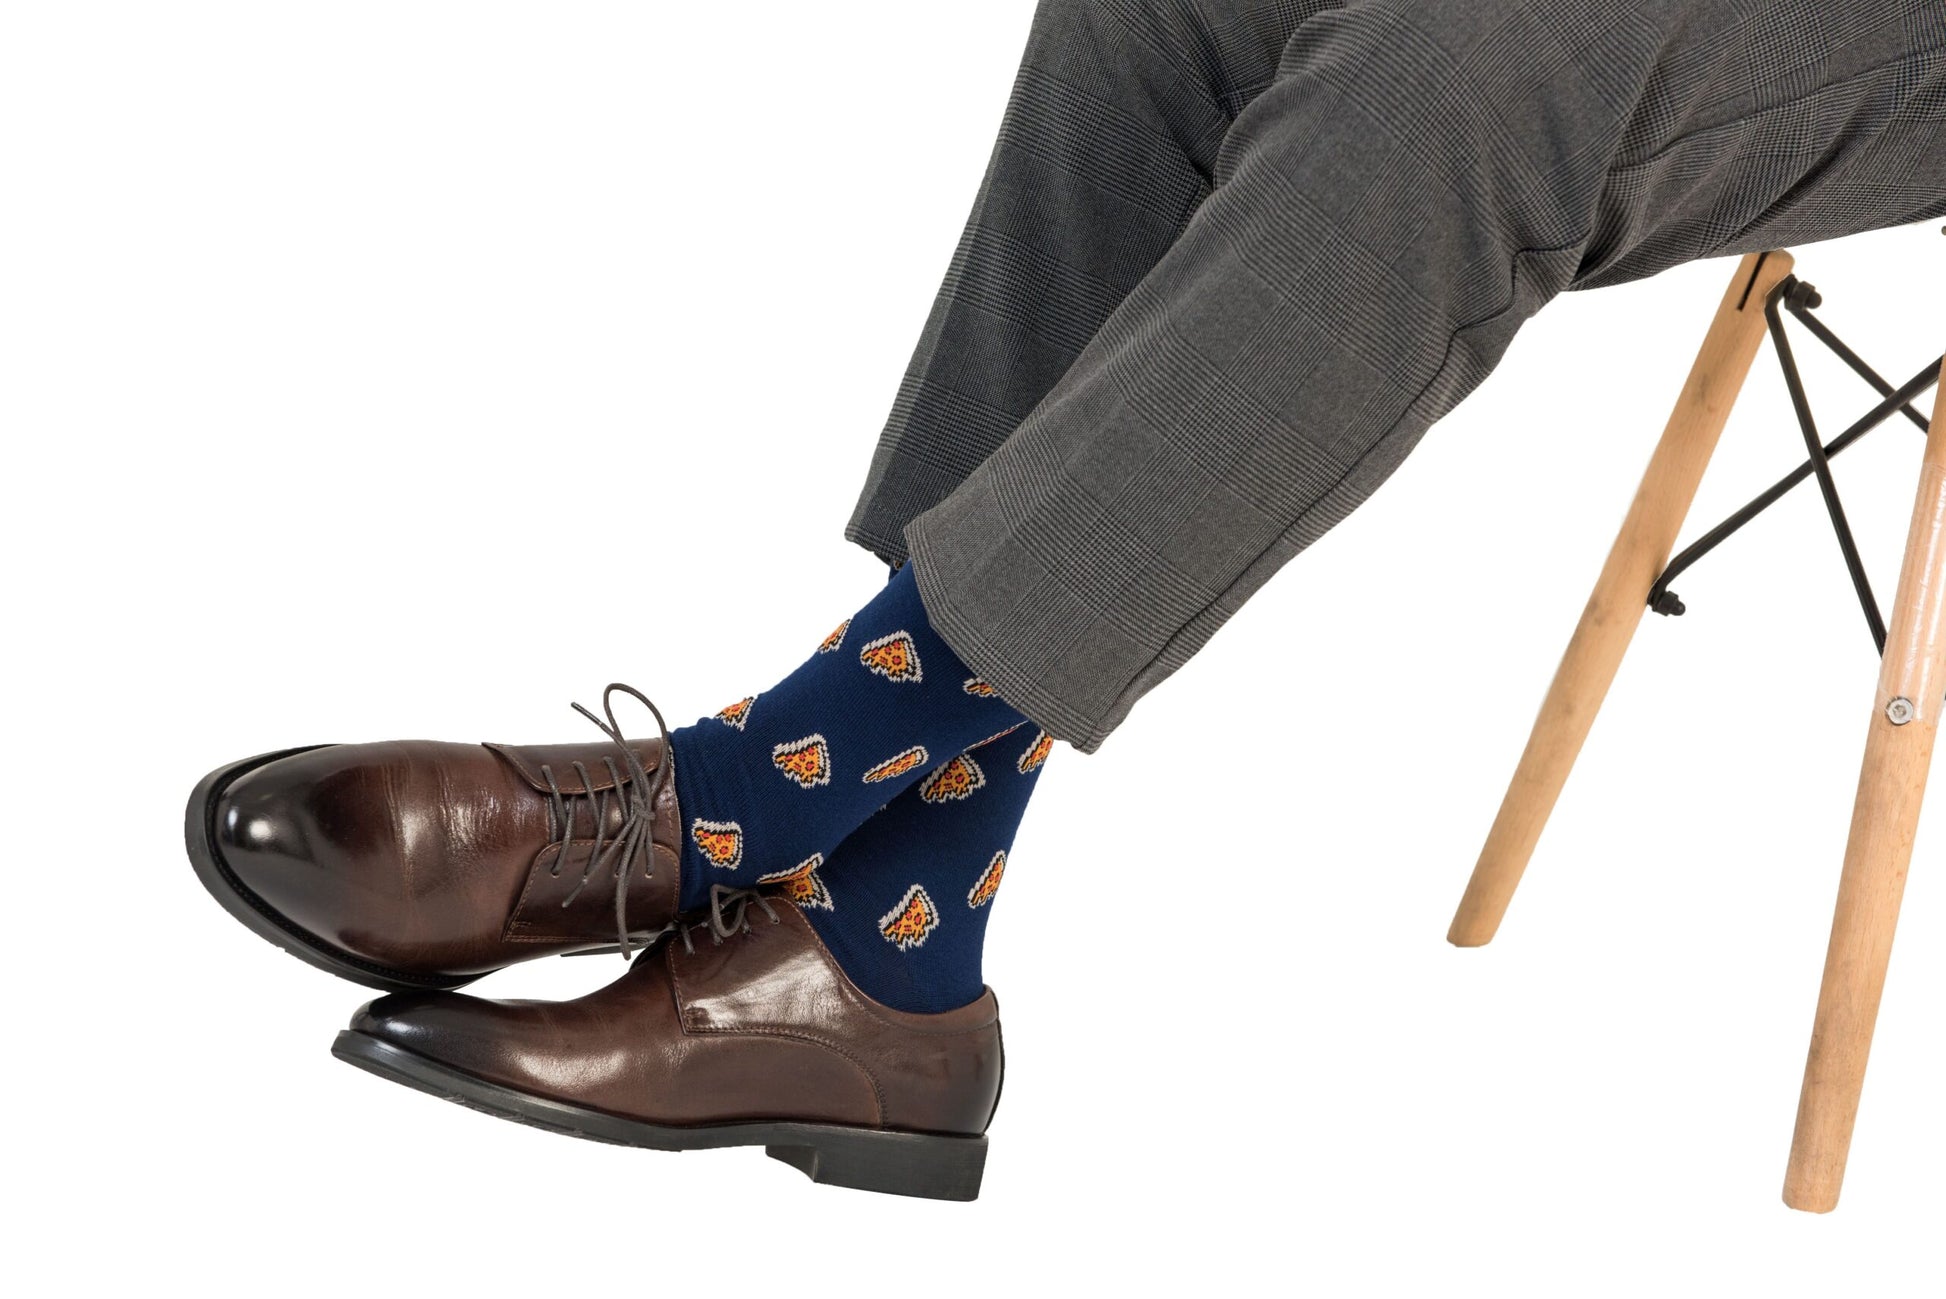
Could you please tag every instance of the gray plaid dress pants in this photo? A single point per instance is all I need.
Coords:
(1231, 258)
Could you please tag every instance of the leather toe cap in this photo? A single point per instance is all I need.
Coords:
(489, 1039)
(265, 829)
(413, 1020)
(313, 835)
(258, 835)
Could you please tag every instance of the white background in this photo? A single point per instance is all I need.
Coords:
(379, 370)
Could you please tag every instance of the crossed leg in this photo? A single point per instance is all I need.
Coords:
(1113, 430)
(1230, 261)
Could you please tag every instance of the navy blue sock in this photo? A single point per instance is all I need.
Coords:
(903, 903)
(777, 780)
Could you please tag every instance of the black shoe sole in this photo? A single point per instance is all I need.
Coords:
(264, 920)
(866, 1159)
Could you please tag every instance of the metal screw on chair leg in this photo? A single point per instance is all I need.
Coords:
(1899, 711)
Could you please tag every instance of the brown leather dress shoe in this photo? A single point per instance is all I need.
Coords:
(419, 865)
(741, 1031)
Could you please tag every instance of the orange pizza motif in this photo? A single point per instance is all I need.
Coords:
(1036, 753)
(894, 657)
(897, 765)
(737, 713)
(979, 688)
(806, 761)
(953, 781)
(721, 842)
(910, 923)
(989, 882)
(800, 884)
(835, 639)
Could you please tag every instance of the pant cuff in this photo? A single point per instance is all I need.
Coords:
(890, 548)
(990, 659)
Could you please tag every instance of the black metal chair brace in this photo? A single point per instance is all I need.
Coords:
(1801, 299)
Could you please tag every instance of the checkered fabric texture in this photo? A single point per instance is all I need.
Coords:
(1231, 258)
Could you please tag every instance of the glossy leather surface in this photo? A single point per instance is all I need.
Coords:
(439, 858)
(763, 1025)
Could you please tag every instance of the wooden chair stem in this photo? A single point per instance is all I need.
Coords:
(1640, 553)
(1885, 820)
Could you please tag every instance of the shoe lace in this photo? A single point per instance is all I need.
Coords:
(634, 839)
(729, 915)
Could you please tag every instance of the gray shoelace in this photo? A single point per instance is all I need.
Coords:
(729, 914)
(634, 839)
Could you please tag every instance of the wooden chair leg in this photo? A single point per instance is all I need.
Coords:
(1885, 817)
(1608, 623)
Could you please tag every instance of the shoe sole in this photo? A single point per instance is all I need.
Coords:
(264, 920)
(867, 1159)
